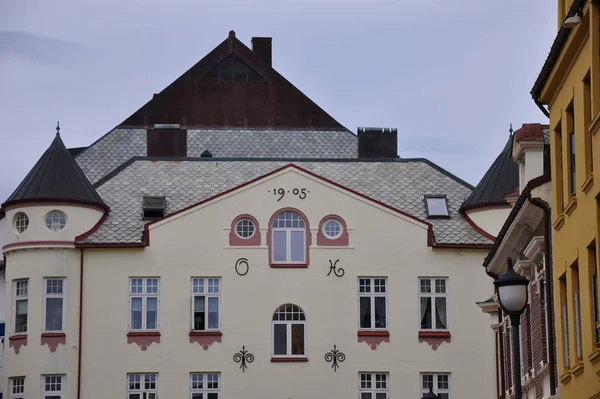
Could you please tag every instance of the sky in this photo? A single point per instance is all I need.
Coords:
(450, 75)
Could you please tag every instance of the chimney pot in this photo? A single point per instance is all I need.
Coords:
(262, 47)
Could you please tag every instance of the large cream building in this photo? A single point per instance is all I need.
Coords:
(257, 250)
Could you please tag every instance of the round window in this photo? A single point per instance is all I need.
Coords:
(21, 222)
(332, 228)
(56, 220)
(244, 228)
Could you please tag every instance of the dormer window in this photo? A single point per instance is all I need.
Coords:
(154, 207)
(436, 205)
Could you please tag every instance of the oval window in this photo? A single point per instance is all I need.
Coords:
(56, 220)
(21, 222)
(332, 228)
(244, 228)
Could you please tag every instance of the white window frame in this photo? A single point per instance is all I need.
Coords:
(338, 224)
(288, 240)
(11, 388)
(373, 390)
(239, 225)
(16, 298)
(53, 217)
(47, 296)
(205, 390)
(434, 198)
(143, 391)
(435, 381)
(372, 295)
(204, 292)
(144, 295)
(433, 295)
(60, 393)
(288, 331)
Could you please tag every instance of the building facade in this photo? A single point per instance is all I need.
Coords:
(569, 85)
(526, 238)
(261, 252)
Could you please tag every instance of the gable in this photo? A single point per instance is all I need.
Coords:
(232, 87)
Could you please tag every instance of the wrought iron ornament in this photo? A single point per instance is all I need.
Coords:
(243, 357)
(335, 356)
(339, 272)
(241, 266)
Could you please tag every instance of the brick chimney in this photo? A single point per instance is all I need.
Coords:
(262, 47)
(377, 142)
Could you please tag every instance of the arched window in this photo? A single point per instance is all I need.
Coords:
(289, 331)
(288, 238)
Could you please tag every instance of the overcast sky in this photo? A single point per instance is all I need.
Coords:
(449, 74)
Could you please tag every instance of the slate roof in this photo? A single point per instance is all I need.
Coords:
(56, 176)
(121, 144)
(501, 179)
(399, 183)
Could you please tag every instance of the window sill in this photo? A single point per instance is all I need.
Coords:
(289, 359)
(53, 335)
(594, 357)
(195, 333)
(577, 369)
(571, 206)
(289, 265)
(53, 339)
(559, 222)
(374, 333)
(17, 337)
(143, 334)
(588, 183)
(594, 124)
(434, 334)
(565, 378)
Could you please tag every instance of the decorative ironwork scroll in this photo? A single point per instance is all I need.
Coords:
(334, 356)
(243, 357)
(242, 267)
(339, 272)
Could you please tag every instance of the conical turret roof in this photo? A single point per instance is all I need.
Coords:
(56, 177)
(501, 179)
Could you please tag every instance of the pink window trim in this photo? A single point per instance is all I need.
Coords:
(237, 241)
(307, 241)
(342, 241)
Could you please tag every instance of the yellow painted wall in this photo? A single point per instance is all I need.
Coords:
(572, 93)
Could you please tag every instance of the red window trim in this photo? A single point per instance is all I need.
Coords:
(195, 333)
(143, 334)
(434, 334)
(342, 241)
(17, 337)
(53, 334)
(288, 359)
(307, 240)
(237, 241)
(373, 333)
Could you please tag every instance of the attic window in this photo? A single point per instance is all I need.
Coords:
(232, 69)
(437, 206)
(154, 207)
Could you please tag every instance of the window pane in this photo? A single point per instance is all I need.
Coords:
(437, 206)
(279, 246)
(380, 320)
(365, 395)
(151, 313)
(199, 313)
(21, 316)
(212, 395)
(440, 313)
(426, 313)
(280, 339)
(365, 312)
(298, 246)
(213, 312)
(297, 339)
(134, 396)
(381, 395)
(197, 396)
(136, 313)
(54, 314)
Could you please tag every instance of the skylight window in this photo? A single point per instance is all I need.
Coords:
(437, 206)
(154, 207)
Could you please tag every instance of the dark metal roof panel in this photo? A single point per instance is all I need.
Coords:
(501, 179)
(56, 176)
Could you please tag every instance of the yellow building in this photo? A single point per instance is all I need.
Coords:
(569, 85)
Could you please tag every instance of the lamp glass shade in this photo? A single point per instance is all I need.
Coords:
(513, 298)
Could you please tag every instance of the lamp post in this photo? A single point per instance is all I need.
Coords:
(512, 295)
(430, 395)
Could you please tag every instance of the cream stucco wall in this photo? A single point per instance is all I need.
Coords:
(490, 220)
(195, 244)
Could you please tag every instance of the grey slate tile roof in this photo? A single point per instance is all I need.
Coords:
(121, 144)
(400, 183)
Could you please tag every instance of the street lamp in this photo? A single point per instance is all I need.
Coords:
(430, 395)
(512, 295)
